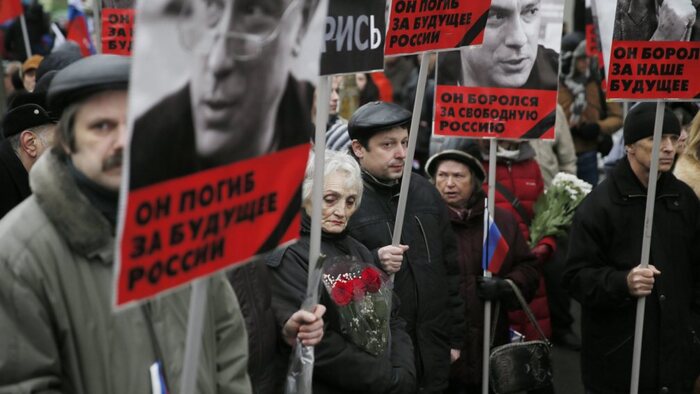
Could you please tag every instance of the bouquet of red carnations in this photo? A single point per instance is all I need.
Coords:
(362, 294)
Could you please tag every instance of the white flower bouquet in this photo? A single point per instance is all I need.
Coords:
(554, 210)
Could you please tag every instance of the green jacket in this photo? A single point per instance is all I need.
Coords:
(58, 333)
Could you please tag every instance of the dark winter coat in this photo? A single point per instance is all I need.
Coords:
(266, 364)
(523, 178)
(340, 366)
(519, 266)
(14, 180)
(428, 281)
(605, 244)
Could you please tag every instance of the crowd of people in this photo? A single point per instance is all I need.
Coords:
(61, 168)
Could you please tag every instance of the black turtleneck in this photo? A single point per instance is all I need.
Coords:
(326, 237)
(106, 201)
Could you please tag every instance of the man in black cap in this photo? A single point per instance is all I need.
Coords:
(604, 275)
(426, 278)
(59, 332)
(28, 131)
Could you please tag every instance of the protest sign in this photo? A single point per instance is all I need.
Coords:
(464, 111)
(432, 25)
(117, 30)
(655, 52)
(505, 88)
(593, 49)
(195, 225)
(604, 18)
(219, 141)
(354, 37)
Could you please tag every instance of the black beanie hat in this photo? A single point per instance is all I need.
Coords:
(639, 123)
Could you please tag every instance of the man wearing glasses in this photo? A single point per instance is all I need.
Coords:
(241, 100)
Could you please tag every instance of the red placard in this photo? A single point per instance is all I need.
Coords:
(432, 25)
(503, 113)
(593, 44)
(117, 30)
(654, 70)
(190, 227)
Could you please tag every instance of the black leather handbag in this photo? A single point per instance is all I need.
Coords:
(522, 366)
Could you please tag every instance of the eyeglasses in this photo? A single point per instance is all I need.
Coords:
(252, 29)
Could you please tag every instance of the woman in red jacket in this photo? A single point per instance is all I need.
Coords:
(518, 185)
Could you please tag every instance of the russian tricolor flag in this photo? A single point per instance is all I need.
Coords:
(495, 246)
(78, 28)
(10, 9)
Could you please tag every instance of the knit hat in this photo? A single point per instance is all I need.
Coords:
(639, 123)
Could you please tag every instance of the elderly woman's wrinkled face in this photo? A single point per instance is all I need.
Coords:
(339, 202)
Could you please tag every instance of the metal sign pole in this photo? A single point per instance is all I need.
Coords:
(322, 108)
(487, 304)
(193, 342)
(646, 244)
(412, 138)
(25, 35)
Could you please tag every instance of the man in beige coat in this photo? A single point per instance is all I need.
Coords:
(58, 332)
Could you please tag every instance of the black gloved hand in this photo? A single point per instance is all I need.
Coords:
(587, 131)
(493, 288)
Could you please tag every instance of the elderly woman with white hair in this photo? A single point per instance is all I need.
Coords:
(340, 365)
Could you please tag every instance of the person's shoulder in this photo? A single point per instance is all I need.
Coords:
(24, 230)
(293, 251)
(548, 55)
(420, 181)
(424, 188)
(686, 191)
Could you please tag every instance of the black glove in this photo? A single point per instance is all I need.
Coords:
(587, 131)
(493, 289)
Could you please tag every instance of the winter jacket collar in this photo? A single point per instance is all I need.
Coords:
(374, 183)
(628, 186)
(474, 209)
(526, 153)
(83, 227)
(306, 229)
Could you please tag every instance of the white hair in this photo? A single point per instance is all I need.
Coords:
(335, 162)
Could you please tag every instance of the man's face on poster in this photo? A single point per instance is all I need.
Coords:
(508, 52)
(240, 72)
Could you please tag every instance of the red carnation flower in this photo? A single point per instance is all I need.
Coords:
(342, 293)
(358, 289)
(371, 279)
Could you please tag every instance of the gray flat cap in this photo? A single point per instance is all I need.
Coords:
(86, 77)
(456, 155)
(376, 116)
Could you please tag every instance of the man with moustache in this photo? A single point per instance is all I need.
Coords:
(241, 100)
(59, 333)
(510, 56)
(604, 275)
(425, 264)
